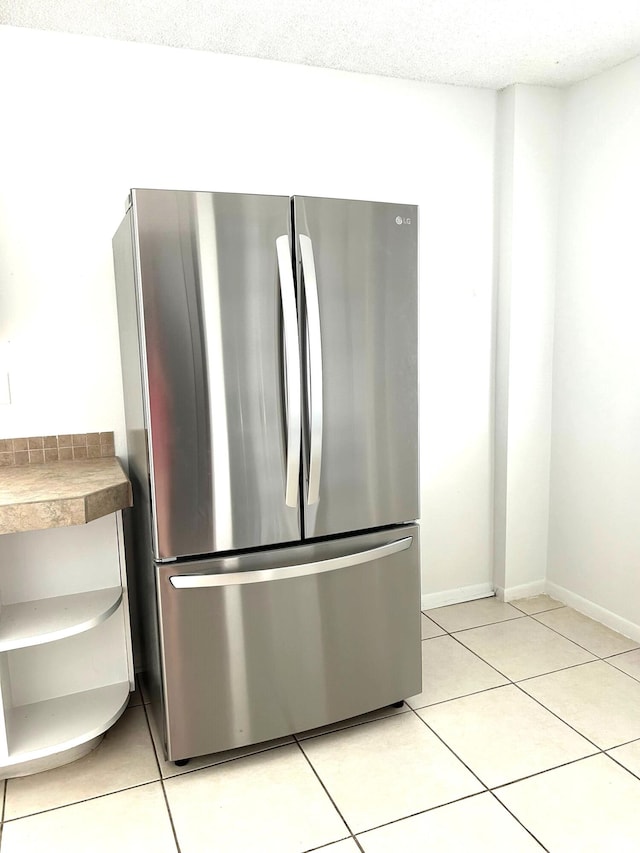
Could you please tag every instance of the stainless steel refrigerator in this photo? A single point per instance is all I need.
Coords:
(269, 354)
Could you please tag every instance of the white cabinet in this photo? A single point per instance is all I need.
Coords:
(66, 668)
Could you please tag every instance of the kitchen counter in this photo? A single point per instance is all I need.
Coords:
(61, 494)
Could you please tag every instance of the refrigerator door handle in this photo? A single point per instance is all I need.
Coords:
(292, 362)
(315, 568)
(315, 366)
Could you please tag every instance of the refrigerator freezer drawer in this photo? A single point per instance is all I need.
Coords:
(263, 645)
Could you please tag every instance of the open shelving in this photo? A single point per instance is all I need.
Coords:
(66, 667)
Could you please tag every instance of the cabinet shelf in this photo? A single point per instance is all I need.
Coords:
(66, 666)
(31, 623)
(54, 725)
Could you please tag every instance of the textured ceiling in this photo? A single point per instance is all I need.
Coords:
(488, 43)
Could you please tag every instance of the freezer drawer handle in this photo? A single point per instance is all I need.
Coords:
(319, 567)
(292, 360)
(315, 366)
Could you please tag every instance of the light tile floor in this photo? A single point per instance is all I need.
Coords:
(526, 736)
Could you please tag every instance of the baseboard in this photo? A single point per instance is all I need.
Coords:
(523, 590)
(455, 596)
(595, 611)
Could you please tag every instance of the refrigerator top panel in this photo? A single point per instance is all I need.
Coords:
(357, 262)
(211, 330)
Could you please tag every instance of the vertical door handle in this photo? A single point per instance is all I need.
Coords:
(292, 367)
(315, 366)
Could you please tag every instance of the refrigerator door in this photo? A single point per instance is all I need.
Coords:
(219, 333)
(261, 645)
(357, 265)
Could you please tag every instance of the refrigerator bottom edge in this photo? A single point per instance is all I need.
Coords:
(257, 647)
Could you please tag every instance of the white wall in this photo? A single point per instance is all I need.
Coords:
(594, 541)
(528, 176)
(85, 119)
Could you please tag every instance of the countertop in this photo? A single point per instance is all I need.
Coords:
(61, 494)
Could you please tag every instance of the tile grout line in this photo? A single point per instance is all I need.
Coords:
(495, 598)
(575, 642)
(455, 698)
(440, 805)
(542, 772)
(188, 772)
(529, 677)
(482, 625)
(599, 750)
(408, 708)
(564, 764)
(557, 633)
(424, 811)
(511, 682)
(522, 690)
(353, 725)
(558, 717)
(546, 610)
(504, 675)
(451, 750)
(4, 801)
(534, 616)
(514, 684)
(517, 819)
(613, 666)
(164, 792)
(626, 743)
(623, 766)
(487, 788)
(454, 636)
(293, 742)
(555, 671)
(495, 668)
(325, 789)
(332, 843)
(184, 771)
(77, 802)
(620, 654)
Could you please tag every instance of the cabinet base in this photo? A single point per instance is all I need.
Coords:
(49, 762)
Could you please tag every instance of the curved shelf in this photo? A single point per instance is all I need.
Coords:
(31, 623)
(44, 728)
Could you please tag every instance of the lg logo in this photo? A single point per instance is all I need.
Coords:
(403, 220)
